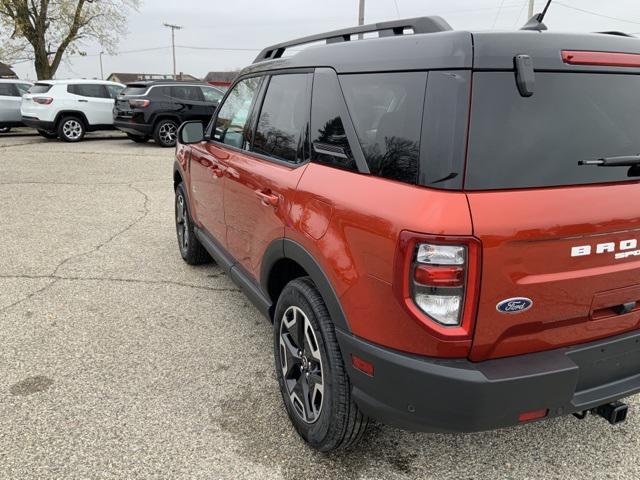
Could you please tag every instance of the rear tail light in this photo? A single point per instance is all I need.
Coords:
(438, 281)
(139, 103)
(43, 100)
(533, 415)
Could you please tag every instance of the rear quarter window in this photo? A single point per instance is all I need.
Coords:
(40, 88)
(518, 142)
(387, 109)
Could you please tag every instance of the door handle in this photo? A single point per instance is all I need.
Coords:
(216, 171)
(84, 101)
(268, 198)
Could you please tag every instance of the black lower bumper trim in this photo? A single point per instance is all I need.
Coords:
(38, 124)
(439, 395)
(139, 129)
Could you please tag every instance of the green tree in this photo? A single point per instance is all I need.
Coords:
(44, 30)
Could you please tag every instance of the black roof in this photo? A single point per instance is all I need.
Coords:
(144, 84)
(442, 49)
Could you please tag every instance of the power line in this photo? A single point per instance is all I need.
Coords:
(495, 20)
(596, 13)
(395, 2)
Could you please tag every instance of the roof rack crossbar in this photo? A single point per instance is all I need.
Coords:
(385, 29)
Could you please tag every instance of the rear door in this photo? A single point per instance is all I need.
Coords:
(191, 103)
(261, 183)
(561, 251)
(10, 99)
(94, 100)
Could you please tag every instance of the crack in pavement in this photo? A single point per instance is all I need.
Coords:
(98, 247)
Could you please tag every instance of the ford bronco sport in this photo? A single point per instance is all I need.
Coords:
(442, 225)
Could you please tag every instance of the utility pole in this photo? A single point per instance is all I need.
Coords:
(531, 7)
(101, 70)
(361, 13)
(173, 43)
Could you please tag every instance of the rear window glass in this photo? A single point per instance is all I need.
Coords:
(518, 142)
(134, 91)
(40, 88)
(386, 109)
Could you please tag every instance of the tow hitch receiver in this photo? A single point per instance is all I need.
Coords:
(614, 412)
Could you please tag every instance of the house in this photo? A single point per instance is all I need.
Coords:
(138, 77)
(6, 72)
(220, 79)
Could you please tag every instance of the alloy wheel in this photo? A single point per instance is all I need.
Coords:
(72, 129)
(167, 133)
(301, 364)
(182, 223)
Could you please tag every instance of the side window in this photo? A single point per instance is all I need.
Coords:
(211, 95)
(386, 109)
(7, 90)
(231, 125)
(330, 145)
(114, 90)
(282, 125)
(23, 88)
(187, 92)
(92, 90)
(160, 92)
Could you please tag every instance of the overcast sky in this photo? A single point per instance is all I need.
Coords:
(253, 24)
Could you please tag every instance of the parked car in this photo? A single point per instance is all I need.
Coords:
(68, 109)
(434, 256)
(156, 109)
(11, 92)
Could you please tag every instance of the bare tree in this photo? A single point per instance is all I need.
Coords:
(44, 30)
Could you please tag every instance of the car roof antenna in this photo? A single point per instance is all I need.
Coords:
(535, 23)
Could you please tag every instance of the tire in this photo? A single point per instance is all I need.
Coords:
(165, 133)
(138, 138)
(47, 134)
(333, 421)
(5, 129)
(71, 129)
(190, 247)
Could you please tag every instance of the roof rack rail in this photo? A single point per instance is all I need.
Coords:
(385, 29)
(616, 33)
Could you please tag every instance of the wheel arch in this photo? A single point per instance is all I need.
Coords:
(165, 116)
(71, 113)
(285, 260)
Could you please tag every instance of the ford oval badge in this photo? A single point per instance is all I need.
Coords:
(514, 305)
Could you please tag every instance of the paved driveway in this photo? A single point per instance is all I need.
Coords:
(117, 360)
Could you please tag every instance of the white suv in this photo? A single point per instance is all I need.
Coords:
(11, 92)
(69, 108)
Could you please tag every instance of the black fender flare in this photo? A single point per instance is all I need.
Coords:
(292, 250)
(72, 113)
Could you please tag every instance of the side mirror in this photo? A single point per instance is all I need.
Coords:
(191, 132)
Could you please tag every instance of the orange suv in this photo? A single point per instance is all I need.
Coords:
(442, 225)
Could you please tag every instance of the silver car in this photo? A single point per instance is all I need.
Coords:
(11, 92)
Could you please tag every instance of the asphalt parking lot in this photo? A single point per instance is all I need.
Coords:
(118, 360)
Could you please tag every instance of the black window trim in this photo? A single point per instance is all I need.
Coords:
(349, 128)
(265, 77)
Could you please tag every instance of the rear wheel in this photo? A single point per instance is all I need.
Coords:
(71, 129)
(47, 134)
(190, 247)
(166, 133)
(138, 138)
(314, 384)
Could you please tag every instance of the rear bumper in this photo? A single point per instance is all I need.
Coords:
(440, 395)
(140, 129)
(38, 124)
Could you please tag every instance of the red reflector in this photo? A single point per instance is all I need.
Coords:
(608, 59)
(439, 276)
(534, 415)
(362, 365)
